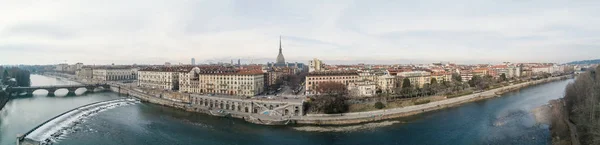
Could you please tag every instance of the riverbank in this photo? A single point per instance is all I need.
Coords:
(554, 113)
(380, 115)
(330, 119)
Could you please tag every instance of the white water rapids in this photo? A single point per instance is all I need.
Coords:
(66, 123)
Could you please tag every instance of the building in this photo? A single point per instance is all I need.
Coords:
(193, 61)
(315, 65)
(480, 72)
(276, 74)
(388, 83)
(417, 78)
(514, 71)
(313, 79)
(249, 106)
(222, 81)
(466, 75)
(441, 76)
(363, 88)
(114, 74)
(166, 78)
(84, 73)
(542, 69)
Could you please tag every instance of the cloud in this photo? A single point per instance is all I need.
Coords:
(344, 31)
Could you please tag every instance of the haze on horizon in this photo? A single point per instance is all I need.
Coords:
(341, 31)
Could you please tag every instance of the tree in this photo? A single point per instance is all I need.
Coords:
(23, 78)
(331, 99)
(5, 76)
(331, 88)
(456, 77)
(433, 81)
(379, 105)
(406, 83)
(502, 77)
(582, 103)
(474, 80)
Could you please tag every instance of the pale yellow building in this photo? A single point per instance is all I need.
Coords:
(227, 82)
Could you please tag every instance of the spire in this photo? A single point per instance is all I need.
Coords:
(280, 59)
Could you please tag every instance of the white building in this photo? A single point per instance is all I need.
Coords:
(315, 65)
(362, 88)
(159, 78)
(114, 74)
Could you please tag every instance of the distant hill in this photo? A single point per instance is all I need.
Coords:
(594, 61)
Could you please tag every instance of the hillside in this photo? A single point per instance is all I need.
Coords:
(594, 61)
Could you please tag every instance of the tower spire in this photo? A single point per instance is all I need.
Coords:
(279, 43)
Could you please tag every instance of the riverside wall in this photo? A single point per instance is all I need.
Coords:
(379, 115)
(249, 110)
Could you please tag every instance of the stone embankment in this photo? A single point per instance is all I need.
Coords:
(372, 116)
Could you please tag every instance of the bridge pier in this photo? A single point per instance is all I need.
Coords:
(29, 92)
(51, 92)
(71, 91)
(90, 89)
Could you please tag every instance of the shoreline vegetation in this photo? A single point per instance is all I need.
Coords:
(386, 114)
(576, 117)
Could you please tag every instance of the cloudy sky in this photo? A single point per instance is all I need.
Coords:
(345, 31)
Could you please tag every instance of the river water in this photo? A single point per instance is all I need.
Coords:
(504, 120)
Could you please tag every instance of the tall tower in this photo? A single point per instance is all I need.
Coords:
(280, 59)
(193, 61)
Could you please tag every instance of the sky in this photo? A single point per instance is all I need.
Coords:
(336, 31)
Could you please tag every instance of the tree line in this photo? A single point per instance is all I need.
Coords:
(582, 99)
(21, 77)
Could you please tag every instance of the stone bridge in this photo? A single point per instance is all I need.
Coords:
(52, 89)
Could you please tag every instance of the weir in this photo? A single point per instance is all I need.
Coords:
(53, 128)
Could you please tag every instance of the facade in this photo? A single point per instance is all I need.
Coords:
(160, 78)
(114, 74)
(278, 73)
(442, 76)
(231, 82)
(315, 65)
(247, 106)
(417, 78)
(313, 79)
(514, 71)
(542, 69)
(480, 72)
(362, 88)
(84, 73)
(466, 75)
(388, 83)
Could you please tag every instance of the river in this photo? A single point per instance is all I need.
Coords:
(503, 120)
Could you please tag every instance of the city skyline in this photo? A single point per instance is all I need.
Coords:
(341, 32)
